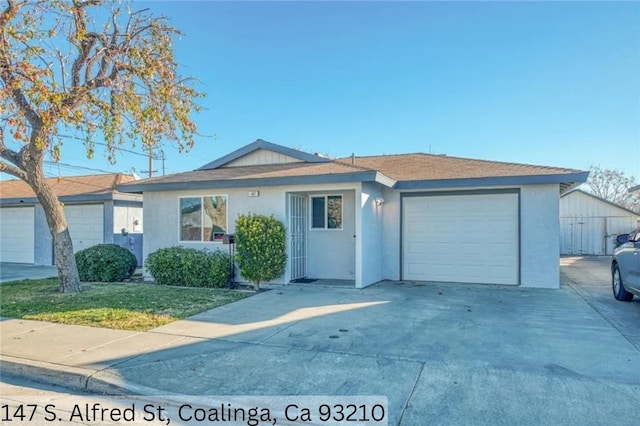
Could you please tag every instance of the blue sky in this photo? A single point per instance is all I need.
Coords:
(544, 83)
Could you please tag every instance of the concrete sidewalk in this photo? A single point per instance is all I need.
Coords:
(22, 271)
(441, 353)
(79, 357)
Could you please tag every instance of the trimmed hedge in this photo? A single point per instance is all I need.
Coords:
(261, 249)
(188, 267)
(105, 262)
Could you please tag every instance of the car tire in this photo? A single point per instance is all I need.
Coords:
(617, 285)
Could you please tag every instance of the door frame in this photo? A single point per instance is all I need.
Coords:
(297, 220)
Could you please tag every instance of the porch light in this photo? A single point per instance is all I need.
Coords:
(379, 201)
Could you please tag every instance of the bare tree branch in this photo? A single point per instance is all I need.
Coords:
(14, 171)
(613, 185)
(6, 74)
(14, 157)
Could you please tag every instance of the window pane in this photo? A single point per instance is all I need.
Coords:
(317, 212)
(190, 219)
(215, 217)
(334, 212)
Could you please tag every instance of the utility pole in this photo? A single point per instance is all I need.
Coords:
(150, 162)
(150, 171)
(162, 158)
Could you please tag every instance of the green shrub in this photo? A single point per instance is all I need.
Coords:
(105, 262)
(188, 267)
(260, 248)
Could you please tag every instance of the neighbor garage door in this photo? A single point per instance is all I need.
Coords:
(17, 234)
(470, 238)
(85, 225)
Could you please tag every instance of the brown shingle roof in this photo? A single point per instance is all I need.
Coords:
(400, 171)
(67, 186)
(412, 167)
(258, 172)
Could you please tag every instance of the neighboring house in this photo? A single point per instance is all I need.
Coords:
(635, 188)
(400, 217)
(96, 213)
(589, 224)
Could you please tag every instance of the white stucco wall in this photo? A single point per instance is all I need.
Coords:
(162, 217)
(331, 253)
(539, 222)
(540, 236)
(391, 235)
(375, 252)
(370, 244)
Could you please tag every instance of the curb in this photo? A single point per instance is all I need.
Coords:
(81, 379)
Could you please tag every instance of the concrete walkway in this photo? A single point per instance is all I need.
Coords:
(442, 354)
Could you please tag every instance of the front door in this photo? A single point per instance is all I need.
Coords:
(298, 232)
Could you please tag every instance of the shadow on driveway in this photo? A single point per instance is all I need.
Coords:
(441, 353)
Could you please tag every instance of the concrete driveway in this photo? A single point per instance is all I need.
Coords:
(590, 277)
(443, 354)
(23, 271)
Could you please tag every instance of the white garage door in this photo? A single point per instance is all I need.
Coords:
(85, 225)
(17, 234)
(461, 238)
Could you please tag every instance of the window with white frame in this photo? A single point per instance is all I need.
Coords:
(326, 212)
(203, 218)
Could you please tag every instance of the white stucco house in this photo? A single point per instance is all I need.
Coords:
(399, 217)
(589, 224)
(96, 213)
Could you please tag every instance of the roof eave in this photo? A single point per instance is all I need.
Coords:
(562, 179)
(80, 198)
(364, 176)
(385, 180)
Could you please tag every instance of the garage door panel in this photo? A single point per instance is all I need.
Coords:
(417, 268)
(461, 238)
(17, 234)
(417, 249)
(500, 272)
(85, 225)
(502, 250)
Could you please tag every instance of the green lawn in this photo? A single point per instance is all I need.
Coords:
(125, 306)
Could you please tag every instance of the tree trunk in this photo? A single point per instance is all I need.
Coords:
(62, 245)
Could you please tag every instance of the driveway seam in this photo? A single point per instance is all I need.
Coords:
(280, 346)
(277, 332)
(572, 284)
(413, 388)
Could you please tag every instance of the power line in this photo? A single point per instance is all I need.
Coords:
(106, 145)
(70, 179)
(117, 148)
(72, 166)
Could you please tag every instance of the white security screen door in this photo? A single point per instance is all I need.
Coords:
(298, 232)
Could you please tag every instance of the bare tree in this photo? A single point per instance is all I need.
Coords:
(613, 185)
(92, 68)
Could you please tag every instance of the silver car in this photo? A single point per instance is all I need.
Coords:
(625, 266)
